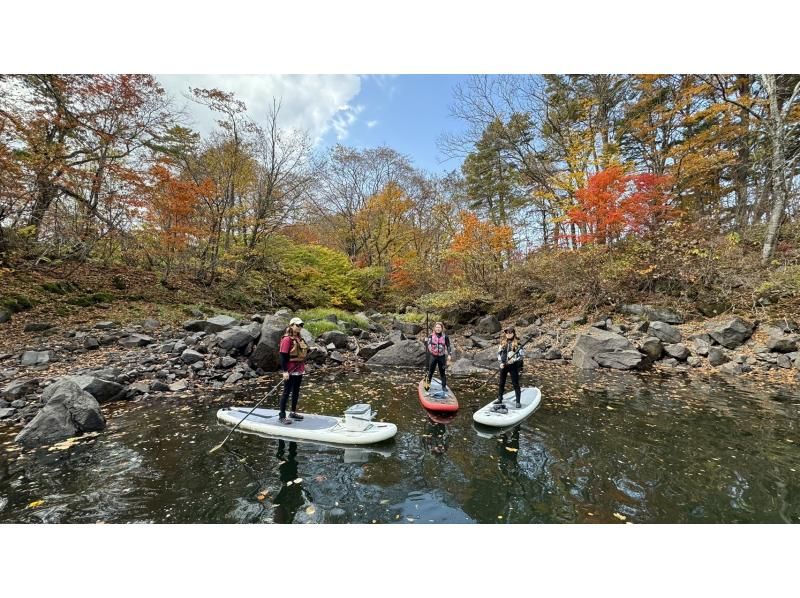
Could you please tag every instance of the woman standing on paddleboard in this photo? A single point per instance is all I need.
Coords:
(439, 349)
(293, 351)
(510, 355)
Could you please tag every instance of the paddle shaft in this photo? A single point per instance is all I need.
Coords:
(219, 446)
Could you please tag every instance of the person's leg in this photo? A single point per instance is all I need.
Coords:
(287, 386)
(431, 369)
(442, 361)
(296, 396)
(515, 382)
(502, 384)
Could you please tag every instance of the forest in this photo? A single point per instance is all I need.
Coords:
(574, 192)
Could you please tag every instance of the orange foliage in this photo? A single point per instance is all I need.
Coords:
(615, 203)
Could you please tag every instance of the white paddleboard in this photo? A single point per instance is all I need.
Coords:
(530, 399)
(322, 428)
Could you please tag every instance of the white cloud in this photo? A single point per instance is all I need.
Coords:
(371, 123)
(314, 103)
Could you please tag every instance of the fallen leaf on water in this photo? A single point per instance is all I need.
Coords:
(35, 504)
(310, 510)
(511, 449)
(609, 407)
(386, 500)
(620, 517)
(261, 497)
(298, 481)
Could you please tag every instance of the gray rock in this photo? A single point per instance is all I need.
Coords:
(784, 362)
(233, 378)
(37, 326)
(106, 325)
(465, 367)
(5, 316)
(488, 325)
(367, 351)
(409, 328)
(702, 343)
(178, 386)
(227, 362)
(716, 356)
(158, 386)
(36, 357)
(595, 342)
(601, 324)
(404, 353)
(396, 336)
(258, 318)
(135, 340)
(67, 412)
(652, 347)
(486, 358)
(151, 324)
(195, 325)
(108, 339)
(652, 313)
(112, 374)
(265, 355)
(576, 321)
(191, 356)
(734, 368)
(786, 325)
(102, 390)
(220, 323)
(670, 362)
(337, 357)
(18, 404)
(20, 388)
(139, 387)
(235, 338)
(694, 361)
(732, 333)
(782, 344)
(198, 365)
(677, 350)
(479, 342)
(90, 343)
(336, 338)
(619, 360)
(665, 332)
(179, 347)
(552, 354)
(6, 412)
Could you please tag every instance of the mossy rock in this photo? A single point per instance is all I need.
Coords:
(92, 299)
(16, 303)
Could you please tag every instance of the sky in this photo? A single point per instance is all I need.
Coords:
(406, 112)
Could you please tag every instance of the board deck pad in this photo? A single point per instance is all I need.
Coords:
(530, 399)
(434, 399)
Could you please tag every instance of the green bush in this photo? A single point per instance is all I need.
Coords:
(61, 287)
(313, 275)
(782, 284)
(319, 313)
(318, 327)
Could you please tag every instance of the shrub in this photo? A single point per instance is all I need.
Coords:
(318, 327)
(92, 299)
(15, 303)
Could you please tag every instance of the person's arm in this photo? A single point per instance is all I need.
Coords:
(501, 355)
(449, 348)
(284, 357)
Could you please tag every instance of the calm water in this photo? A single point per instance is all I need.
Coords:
(603, 447)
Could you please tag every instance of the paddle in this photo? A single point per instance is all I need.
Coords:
(219, 446)
(427, 352)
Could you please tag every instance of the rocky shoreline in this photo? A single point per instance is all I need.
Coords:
(54, 385)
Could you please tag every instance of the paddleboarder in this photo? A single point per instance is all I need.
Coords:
(293, 351)
(510, 354)
(440, 352)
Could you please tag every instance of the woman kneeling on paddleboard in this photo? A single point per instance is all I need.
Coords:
(293, 351)
(510, 355)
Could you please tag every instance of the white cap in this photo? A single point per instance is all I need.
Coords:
(295, 321)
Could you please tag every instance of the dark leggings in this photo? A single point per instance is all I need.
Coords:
(441, 361)
(292, 385)
(514, 370)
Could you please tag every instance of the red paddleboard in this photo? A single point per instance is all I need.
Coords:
(435, 400)
(441, 417)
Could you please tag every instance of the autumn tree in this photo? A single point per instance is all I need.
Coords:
(614, 204)
(477, 252)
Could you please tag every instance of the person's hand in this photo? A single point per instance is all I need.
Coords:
(502, 365)
(285, 375)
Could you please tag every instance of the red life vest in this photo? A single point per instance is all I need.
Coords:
(437, 344)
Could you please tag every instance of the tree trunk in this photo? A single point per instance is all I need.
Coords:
(777, 169)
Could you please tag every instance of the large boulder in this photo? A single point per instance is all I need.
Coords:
(409, 328)
(367, 351)
(220, 323)
(654, 314)
(336, 337)
(597, 348)
(405, 353)
(732, 333)
(102, 390)
(665, 332)
(69, 411)
(486, 358)
(266, 355)
(716, 356)
(467, 367)
(488, 325)
(238, 337)
(190, 356)
(677, 350)
(195, 325)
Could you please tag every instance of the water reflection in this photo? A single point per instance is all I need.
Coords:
(603, 447)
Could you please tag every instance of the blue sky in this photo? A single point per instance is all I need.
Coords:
(406, 112)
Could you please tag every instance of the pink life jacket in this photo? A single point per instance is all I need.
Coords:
(437, 345)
